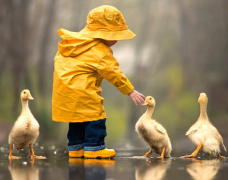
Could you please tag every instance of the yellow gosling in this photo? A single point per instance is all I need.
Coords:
(153, 133)
(25, 130)
(203, 134)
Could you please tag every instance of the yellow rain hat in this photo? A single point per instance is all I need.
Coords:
(107, 22)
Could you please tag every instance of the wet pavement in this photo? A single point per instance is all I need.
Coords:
(58, 166)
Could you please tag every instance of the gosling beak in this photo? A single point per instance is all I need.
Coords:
(30, 97)
(145, 103)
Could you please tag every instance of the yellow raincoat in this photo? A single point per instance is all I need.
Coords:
(80, 66)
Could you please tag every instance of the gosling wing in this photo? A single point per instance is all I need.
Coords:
(160, 129)
(193, 129)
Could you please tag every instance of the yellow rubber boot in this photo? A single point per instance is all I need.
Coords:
(77, 153)
(104, 153)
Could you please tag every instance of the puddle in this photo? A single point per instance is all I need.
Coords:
(124, 166)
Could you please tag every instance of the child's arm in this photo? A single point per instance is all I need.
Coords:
(137, 97)
(110, 70)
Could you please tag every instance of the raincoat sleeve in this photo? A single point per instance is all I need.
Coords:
(110, 70)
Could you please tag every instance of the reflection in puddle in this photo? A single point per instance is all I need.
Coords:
(58, 166)
(23, 171)
(204, 169)
(155, 170)
(87, 169)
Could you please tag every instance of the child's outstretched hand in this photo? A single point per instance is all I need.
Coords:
(137, 97)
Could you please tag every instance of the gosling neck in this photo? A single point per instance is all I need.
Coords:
(203, 110)
(149, 111)
(24, 104)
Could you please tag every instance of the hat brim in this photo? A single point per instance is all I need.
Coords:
(109, 35)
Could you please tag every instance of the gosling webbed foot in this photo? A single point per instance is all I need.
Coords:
(220, 156)
(160, 157)
(15, 157)
(37, 157)
(188, 156)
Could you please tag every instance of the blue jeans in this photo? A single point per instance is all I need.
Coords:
(87, 135)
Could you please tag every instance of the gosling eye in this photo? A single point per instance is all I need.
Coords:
(150, 98)
(24, 92)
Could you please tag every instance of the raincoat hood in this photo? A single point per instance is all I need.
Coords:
(74, 43)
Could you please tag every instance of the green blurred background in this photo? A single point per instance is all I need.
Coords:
(180, 50)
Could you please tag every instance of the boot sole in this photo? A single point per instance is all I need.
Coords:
(97, 156)
(76, 156)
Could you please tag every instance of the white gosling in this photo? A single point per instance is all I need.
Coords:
(203, 134)
(25, 130)
(152, 132)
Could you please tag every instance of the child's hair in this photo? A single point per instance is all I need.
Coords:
(107, 22)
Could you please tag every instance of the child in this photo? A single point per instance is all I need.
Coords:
(81, 63)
